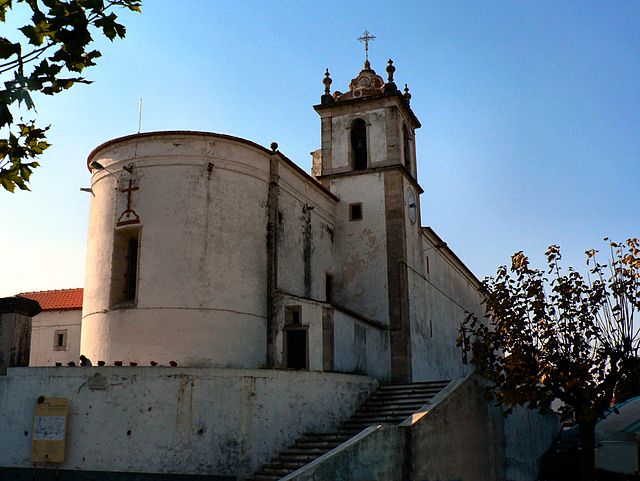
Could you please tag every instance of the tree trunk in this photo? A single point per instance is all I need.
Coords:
(587, 450)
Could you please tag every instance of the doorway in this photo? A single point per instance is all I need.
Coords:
(296, 348)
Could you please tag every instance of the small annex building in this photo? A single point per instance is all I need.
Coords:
(55, 332)
(258, 322)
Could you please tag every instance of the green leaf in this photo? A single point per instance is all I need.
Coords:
(4, 6)
(35, 33)
(7, 48)
(108, 25)
(5, 115)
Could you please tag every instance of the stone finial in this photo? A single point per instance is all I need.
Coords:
(327, 82)
(407, 95)
(390, 86)
(274, 146)
(326, 98)
(390, 70)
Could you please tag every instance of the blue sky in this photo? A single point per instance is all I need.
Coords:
(530, 115)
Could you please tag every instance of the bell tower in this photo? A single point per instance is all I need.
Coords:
(370, 126)
(368, 159)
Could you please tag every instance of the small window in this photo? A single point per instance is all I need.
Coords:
(328, 287)
(124, 277)
(292, 316)
(355, 211)
(60, 340)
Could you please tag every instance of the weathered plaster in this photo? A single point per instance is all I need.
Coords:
(360, 247)
(202, 271)
(174, 420)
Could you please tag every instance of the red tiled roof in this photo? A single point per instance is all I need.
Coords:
(57, 300)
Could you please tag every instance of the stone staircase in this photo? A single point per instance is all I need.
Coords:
(389, 404)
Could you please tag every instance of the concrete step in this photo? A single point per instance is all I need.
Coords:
(334, 436)
(434, 384)
(320, 444)
(392, 398)
(387, 410)
(277, 471)
(377, 419)
(303, 458)
(294, 453)
(398, 402)
(289, 465)
(408, 390)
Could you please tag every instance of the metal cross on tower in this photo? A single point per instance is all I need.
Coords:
(129, 216)
(366, 38)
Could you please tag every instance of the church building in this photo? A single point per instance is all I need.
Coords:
(235, 307)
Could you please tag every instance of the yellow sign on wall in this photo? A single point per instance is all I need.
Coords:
(49, 430)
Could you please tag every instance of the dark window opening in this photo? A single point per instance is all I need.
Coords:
(427, 264)
(60, 340)
(132, 270)
(292, 316)
(359, 144)
(124, 276)
(355, 211)
(406, 147)
(296, 349)
(328, 287)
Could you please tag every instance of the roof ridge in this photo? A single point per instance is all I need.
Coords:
(51, 290)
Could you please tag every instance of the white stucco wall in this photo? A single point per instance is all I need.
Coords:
(43, 329)
(361, 248)
(360, 347)
(175, 420)
(299, 203)
(202, 271)
(439, 299)
(201, 268)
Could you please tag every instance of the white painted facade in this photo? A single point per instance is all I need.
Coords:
(46, 329)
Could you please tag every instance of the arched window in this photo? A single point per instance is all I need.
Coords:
(359, 144)
(406, 147)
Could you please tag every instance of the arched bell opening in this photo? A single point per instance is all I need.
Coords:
(359, 144)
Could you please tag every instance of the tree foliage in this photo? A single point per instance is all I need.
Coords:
(558, 334)
(54, 49)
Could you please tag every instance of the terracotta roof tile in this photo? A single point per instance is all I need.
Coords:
(56, 300)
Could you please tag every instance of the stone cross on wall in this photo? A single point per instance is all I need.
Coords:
(129, 216)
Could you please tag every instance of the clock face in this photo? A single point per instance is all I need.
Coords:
(412, 206)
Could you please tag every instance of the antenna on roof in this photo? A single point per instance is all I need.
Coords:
(140, 116)
(135, 152)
